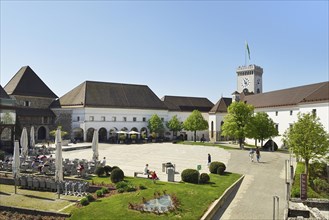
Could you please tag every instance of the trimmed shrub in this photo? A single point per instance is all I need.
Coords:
(204, 178)
(90, 197)
(220, 170)
(190, 176)
(121, 185)
(117, 175)
(131, 188)
(105, 190)
(84, 201)
(121, 190)
(321, 185)
(213, 168)
(99, 193)
(99, 171)
(107, 170)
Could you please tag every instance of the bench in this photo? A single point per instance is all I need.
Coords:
(142, 173)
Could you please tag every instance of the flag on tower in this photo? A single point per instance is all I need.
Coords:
(247, 48)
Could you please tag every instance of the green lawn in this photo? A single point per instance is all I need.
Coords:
(295, 190)
(208, 144)
(32, 199)
(194, 199)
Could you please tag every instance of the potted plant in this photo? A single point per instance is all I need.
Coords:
(133, 138)
(122, 138)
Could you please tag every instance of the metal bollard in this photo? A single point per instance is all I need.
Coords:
(275, 207)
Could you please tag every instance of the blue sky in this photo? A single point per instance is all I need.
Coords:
(183, 48)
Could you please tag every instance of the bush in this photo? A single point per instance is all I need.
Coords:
(117, 175)
(90, 197)
(131, 188)
(84, 201)
(100, 171)
(204, 178)
(99, 193)
(213, 168)
(221, 170)
(105, 190)
(321, 185)
(120, 190)
(190, 176)
(121, 185)
(107, 170)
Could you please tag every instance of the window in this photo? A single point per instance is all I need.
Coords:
(27, 103)
(314, 112)
(290, 126)
(124, 118)
(290, 112)
(162, 119)
(103, 118)
(78, 118)
(277, 127)
(212, 129)
(44, 120)
(91, 118)
(276, 113)
(144, 119)
(134, 119)
(114, 118)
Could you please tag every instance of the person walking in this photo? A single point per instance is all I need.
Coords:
(257, 154)
(209, 159)
(251, 155)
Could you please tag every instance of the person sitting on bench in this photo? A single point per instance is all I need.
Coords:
(154, 176)
(146, 170)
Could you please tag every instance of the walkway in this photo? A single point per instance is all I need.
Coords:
(254, 199)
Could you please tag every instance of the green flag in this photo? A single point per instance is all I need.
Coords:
(247, 48)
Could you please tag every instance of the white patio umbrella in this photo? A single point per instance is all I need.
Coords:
(121, 132)
(133, 132)
(58, 160)
(32, 139)
(16, 163)
(94, 145)
(24, 143)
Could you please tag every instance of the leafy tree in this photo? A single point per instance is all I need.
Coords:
(53, 132)
(237, 121)
(174, 125)
(307, 138)
(262, 127)
(155, 124)
(195, 122)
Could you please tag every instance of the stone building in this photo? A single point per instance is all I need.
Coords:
(7, 120)
(32, 100)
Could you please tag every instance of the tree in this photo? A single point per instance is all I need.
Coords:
(237, 121)
(53, 132)
(195, 122)
(155, 124)
(174, 125)
(261, 127)
(307, 138)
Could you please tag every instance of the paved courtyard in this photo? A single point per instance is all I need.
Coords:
(254, 199)
(133, 157)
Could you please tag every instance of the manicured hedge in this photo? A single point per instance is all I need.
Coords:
(190, 176)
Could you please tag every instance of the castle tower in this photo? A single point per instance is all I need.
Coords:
(250, 79)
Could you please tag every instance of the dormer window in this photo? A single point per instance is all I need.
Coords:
(27, 103)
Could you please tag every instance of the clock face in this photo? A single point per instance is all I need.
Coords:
(245, 82)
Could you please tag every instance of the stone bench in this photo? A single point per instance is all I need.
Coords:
(141, 173)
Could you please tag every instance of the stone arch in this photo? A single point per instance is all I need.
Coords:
(124, 129)
(134, 129)
(102, 135)
(144, 131)
(42, 133)
(77, 134)
(6, 134)
(90, 133)
(113, 135)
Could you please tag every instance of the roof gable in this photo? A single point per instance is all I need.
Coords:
(291, 96)
(27, 83)
(179, 103)
(221, 105)
(115, 95)
(3, 94)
